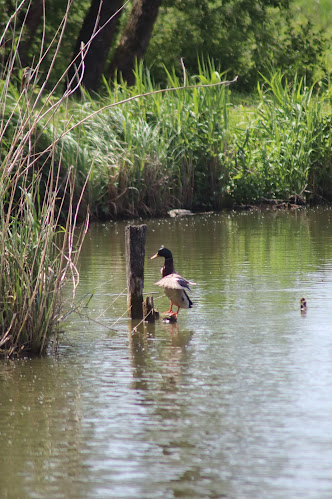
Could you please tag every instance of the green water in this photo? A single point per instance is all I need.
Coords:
(234, 400)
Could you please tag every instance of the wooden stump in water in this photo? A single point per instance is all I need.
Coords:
(149, 312)
(135, 236)
(169, 318)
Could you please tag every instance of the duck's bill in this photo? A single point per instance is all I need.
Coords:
(154, 256)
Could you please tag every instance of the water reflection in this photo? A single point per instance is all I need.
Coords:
(149, 355)
(233, 400)
(41, 426)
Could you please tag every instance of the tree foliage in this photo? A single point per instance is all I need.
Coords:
(135, 38)
(241, 36)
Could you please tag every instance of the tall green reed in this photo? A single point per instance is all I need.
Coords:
(39, 246)
(156, 153)
(276, 153)
(193, 148)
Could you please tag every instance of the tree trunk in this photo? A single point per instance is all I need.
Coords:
(32, 23)
(98, 51)
(135, 38)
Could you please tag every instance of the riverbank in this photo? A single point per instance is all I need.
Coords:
(198, 149)
(207, 149)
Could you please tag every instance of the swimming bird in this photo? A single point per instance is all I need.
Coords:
(303, 305)
(175, 286)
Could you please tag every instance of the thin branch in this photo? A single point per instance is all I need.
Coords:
(10, 20)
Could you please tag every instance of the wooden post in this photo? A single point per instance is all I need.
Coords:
(135, 236)
(150, 313)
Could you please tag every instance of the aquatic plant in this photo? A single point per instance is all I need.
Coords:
(200, 148)
(39, 246)
(154, 153)
(285, 149)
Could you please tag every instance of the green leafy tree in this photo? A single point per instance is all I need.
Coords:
(241, 36)
(301, 50)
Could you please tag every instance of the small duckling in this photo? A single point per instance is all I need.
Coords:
(303, 305)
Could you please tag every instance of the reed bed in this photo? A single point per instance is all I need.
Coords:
(39, 243)
(200, 148)
(284, 151)
(157, 152)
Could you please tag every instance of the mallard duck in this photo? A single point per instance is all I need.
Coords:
(175, 286)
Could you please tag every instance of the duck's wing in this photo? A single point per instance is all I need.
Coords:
(174, 281)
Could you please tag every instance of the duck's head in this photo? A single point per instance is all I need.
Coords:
(168, 267)
(163, 252)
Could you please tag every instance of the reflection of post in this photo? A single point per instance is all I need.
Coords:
(135, 236)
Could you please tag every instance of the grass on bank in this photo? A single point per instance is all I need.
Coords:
(285, 151)
(197, 148)
(201, 148)
(39, 244)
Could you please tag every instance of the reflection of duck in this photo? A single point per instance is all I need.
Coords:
(303, 305)
(175, 286)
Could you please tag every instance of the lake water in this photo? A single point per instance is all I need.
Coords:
(232, 401)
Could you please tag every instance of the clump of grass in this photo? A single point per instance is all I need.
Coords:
(156, 153)
(36, 256)
(285, 150)
(38, 246)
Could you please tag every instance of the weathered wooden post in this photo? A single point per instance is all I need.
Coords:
(135, 236)
(150, 313)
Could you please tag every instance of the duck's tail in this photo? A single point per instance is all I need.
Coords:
(189, 300)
